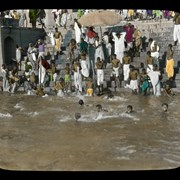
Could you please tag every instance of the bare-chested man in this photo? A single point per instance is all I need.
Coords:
(115, 71)
(149, 61)
(126, 67)
(71, 50)
(59, 87)
(133, 80)
(67, 78)
(100, 75)
(58, 40)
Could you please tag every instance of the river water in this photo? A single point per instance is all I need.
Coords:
(41, 133)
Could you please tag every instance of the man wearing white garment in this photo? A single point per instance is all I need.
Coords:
(76, 68)
(176, 32)
(99, 50)
(42, 73)
(154, 48)
(119, 46)
(78, 32)
(107, 47)
(115, 70)
(84, 65)
(31, 52)
(126, 67)
(100, 75)
(155, 77)
(18, 56)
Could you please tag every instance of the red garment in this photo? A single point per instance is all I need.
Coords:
(129, 33)
(45, 64)
(91, 34)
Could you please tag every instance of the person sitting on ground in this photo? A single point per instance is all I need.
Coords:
(40, 91)
(90, 88)
(29, 84)
(59, 87)
(168, 90)
(13, 80)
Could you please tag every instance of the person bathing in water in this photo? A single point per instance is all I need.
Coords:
(165, 107)
(129, 109)
(167, 89)
(81, 102)
(77, 116)
(100, 109)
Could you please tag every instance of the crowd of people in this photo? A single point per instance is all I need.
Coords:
(116, 49)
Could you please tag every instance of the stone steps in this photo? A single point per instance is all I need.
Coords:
(161, 32)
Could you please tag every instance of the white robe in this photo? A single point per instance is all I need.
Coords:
(156, 53)
(60, 93)
(100, 76)
(176, 33)
(126, 71)
(115, 71)
(133, 85)
(154, 77)
(22, 18)
(85, 69)
(149, 68)
(18, 55)
(64, 19)
(78, 80)
(78, 33)
(99, 51)
(107, 44)
(42, 74)
(119, 46)
(52, 40)
(6, 86)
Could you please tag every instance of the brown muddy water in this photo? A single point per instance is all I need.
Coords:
(39, 133)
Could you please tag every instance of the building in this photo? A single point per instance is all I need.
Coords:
(11, 34)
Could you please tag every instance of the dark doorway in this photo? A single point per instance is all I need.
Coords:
(9, 50)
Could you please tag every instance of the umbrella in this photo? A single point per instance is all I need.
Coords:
(100, 18)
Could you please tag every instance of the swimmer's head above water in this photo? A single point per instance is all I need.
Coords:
(99, 107)
(81, 102)
(165, 107)
(129, 109)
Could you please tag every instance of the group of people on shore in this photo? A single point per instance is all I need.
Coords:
(116, 50)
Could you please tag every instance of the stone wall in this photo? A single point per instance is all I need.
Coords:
(21, 36)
